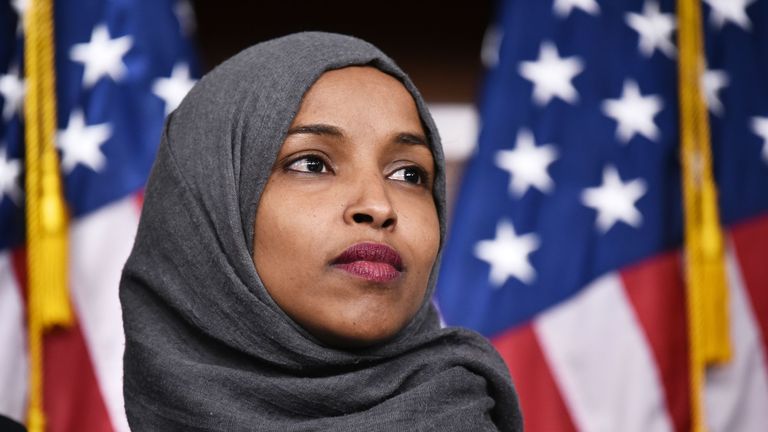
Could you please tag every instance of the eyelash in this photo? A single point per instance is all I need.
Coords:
(294, 165)
(303, 163)
(422, 175)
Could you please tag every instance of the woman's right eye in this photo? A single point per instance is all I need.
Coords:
(308, 164)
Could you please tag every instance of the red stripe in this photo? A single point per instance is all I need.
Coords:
(138, 198)
(750, 240)
(19, 263)
(540, 400)
(656, 290)
(72, 399)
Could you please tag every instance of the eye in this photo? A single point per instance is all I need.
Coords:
(410, 174)
(308, 164)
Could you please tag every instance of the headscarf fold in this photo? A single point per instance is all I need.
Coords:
(206, 346)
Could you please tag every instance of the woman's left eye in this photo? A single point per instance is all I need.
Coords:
(411, 174)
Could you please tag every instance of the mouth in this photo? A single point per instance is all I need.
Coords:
(374, 262)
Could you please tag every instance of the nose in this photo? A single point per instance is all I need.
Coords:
(370, 204)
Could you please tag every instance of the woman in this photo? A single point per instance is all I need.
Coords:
(287, 252)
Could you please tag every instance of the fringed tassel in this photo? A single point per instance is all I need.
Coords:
(704, 246)
(46, 214)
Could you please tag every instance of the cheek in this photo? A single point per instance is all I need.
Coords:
(290, 246)
(424, 229)
(283, 235)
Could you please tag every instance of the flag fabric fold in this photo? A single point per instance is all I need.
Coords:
(120, 67)
(567, 240)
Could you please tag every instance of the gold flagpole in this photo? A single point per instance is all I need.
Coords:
(46, 217)
(704, 249)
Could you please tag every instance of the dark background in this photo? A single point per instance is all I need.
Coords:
(436, 42)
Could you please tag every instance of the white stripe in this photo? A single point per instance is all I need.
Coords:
(736, 394)
(100, 244)
(14, 368)
(458, 124)
(601, 361)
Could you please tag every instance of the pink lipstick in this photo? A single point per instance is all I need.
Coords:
(375, 262)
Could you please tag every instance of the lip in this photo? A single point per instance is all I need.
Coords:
(374, 262)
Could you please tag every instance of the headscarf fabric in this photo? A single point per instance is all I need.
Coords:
(206, 346)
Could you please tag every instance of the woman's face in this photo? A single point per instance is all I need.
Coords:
(346, 232)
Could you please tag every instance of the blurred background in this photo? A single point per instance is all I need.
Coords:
(437, 44)
(609, 220)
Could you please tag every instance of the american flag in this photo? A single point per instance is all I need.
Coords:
(566, 242)
(120, 68)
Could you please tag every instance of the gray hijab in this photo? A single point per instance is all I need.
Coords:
(206, 346)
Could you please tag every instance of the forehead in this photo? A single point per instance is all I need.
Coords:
(357, 77)
(354, 91)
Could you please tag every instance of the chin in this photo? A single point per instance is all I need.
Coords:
(355, 336)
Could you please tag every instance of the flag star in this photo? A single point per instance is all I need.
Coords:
(724, 11)
(81, 144)
(563, 8)
(507, 254)
(172, 90)
(12, 90)
(527, 164)
(20, 7)
(185, 14)
(634, 112)
(551, 75)
(760, 127)
(712, 81)
(10, 169)
(615, 201)
(101, 55)
(654, 29)
(489, 50)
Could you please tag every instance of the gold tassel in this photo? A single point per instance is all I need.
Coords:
(704, 246)
(46, 214)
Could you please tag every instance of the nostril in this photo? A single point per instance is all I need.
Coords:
(362, 218)
(387, 223)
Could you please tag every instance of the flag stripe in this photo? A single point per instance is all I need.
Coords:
(578, 154)
(72, 400)
(597, 351)
(657, 293)
(750, 240)
(543, 408)
(138, 198)
(14, 367)
(736, 393)
(98, 254)
(110, 120)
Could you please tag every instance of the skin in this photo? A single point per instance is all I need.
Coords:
(355, 167)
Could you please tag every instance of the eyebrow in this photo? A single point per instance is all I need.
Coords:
(316, 129)
(333, 131)
(411, 138)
